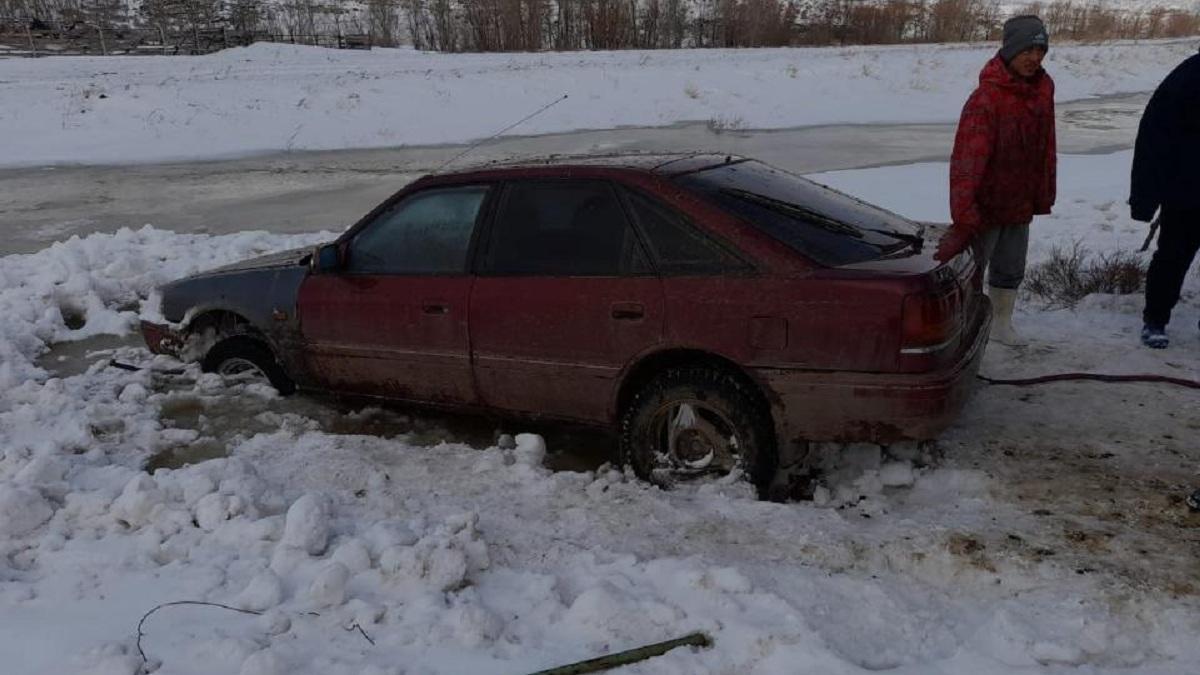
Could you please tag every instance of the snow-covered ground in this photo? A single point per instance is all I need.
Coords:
(1044, 534)
(281, 97)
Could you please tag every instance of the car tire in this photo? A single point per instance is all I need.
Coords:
(240, 353)
(667, 443)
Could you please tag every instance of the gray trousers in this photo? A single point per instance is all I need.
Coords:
(1004, 250)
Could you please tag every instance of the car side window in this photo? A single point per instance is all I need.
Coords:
(425, 233)
(563, 228)
(677, 246)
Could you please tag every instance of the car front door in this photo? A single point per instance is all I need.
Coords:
(564, 300)
(392, 320)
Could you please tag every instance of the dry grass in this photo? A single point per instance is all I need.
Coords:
(721, 124)
(1070, 275)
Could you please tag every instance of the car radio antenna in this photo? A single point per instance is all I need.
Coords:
(480, 142)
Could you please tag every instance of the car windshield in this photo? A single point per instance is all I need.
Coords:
(828, 226)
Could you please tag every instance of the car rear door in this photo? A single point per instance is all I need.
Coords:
(564, 300)
(716, 302)
(392, 321)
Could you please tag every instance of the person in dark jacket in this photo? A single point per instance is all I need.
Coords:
(1003, 169)
(1166, 178)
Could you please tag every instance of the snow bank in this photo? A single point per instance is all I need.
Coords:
(80, 288)
(271, 97)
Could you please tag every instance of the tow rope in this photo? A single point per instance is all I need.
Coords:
(1093, 377)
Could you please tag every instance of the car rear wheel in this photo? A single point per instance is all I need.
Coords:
(689, 424)
(246, 358)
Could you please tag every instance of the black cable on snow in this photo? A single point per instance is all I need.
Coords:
(1092, 377)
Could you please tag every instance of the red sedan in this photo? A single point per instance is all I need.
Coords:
(718, 313)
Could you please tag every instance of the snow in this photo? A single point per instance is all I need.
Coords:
(354, 554)
(1039, 536)
(328, 589)
(307, 525)
(24, 510)
(274, 97)
(264, 592)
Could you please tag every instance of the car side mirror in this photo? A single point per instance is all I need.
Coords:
(325, 259)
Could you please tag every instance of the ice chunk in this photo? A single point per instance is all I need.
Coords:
(729, 580)
(274, 622)
(307, 524)
(42, 470)
(328, 589)
(896, 474)
(389, 533)
(362, 613)
(446, 568)
(264, 592)
(353, 553)
(195, 487)
(22, 510)
(133, 393)
(138, 501)
(262, 663)
(530, 450)
(214, 509)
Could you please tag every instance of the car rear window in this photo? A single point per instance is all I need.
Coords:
(679, 249)
(828, 226)
(563, 228)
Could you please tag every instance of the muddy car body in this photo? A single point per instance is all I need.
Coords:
(712, 309)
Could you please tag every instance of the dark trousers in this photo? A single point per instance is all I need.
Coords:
(1178, 241)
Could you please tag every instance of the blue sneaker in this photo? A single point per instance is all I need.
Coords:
(1155, 337)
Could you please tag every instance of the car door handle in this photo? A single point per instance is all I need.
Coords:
(435, 308)
(628, 311)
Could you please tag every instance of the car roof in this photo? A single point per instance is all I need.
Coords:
(665, 164)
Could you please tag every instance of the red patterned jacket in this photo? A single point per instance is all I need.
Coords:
(1002, 171)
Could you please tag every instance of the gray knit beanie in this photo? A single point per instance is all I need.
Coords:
(1021, 33)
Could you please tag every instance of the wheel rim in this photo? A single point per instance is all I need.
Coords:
(690, 439)
(240, 368)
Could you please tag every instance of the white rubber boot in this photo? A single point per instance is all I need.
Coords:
(1003, 300)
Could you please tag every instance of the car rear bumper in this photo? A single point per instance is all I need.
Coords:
(161, 339)
(874, 407)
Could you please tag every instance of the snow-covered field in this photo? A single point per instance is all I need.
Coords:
(1043, 535)
(280, 97)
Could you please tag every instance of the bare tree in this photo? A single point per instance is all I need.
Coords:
(566, 25)
(383, 20)
(606, 24)
(103, 16)
(182, 16)
(245, 17)
(650, 25)
(675, 20)
(444, 29)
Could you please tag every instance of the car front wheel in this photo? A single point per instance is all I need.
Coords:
(244, 357)
(691, 423)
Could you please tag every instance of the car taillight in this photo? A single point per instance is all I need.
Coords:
(929, 321)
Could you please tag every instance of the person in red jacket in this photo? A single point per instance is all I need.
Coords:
(1002, 172)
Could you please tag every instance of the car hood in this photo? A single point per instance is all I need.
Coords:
(289, 258)
(244, 284)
